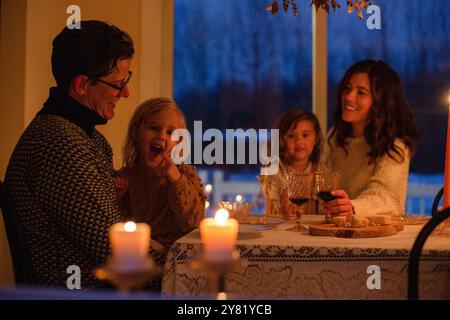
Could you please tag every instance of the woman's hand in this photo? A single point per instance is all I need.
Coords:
(341, 206)
(121, 185)
(287, 208)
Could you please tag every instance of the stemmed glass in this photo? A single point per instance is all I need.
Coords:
(325, 182)
(300, 190)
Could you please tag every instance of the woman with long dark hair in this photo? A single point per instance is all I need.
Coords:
(371, 143)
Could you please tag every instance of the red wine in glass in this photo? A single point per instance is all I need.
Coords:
(326, 196)
(298, 201)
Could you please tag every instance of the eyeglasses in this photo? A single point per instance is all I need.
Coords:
(115, 86)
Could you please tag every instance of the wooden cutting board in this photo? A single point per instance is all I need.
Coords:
(331, 230)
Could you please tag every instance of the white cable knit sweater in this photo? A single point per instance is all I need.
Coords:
(373, 189)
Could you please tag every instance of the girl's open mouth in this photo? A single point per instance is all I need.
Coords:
(156, 150)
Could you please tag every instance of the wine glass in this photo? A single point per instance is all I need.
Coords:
(300, 190)
(325, 183)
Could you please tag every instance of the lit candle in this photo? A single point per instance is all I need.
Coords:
(447, 167)
(208, 189)
(238, 198)
(219, 236)
(130, 243)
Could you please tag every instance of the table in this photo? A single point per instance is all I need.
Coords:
(292, 265)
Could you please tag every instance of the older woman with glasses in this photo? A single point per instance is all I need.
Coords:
(60, 174)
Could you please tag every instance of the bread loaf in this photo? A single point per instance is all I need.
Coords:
(340, 221)
(360, 222)
(379, 220)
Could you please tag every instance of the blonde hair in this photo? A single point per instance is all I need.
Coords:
(146, 108)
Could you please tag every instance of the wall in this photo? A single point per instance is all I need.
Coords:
(27, 29)
(12, 83)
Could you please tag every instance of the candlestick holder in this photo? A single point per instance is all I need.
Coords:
(216, 271)
(127, 279)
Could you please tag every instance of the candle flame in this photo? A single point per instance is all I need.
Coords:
(221, 217)
(206, 204)
(130, 226)
(208, 189)
(222, 296)
(238, 198)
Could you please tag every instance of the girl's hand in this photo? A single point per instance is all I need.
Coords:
(121, 185)
(287, 208)
(341, 206)
(169, 169)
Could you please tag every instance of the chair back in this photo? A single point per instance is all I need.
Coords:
(437, 198)
(21, 259)
(414, 258)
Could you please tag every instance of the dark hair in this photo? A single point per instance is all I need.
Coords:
(289, 120)
(93, 50)
(390, 116)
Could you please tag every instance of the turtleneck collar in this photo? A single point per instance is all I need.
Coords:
(60, 104)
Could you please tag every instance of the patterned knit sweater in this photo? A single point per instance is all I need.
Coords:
(171, 209)
(378, 188)
(59, 180)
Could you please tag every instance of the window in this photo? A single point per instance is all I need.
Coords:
(236, 66)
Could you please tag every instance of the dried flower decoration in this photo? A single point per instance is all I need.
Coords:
(352, 5)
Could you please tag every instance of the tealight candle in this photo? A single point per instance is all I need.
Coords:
(130, 243)
(219, 236)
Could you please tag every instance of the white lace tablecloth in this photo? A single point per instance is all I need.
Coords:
(292, 265)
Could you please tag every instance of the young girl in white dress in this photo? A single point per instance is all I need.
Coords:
(300, 150)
